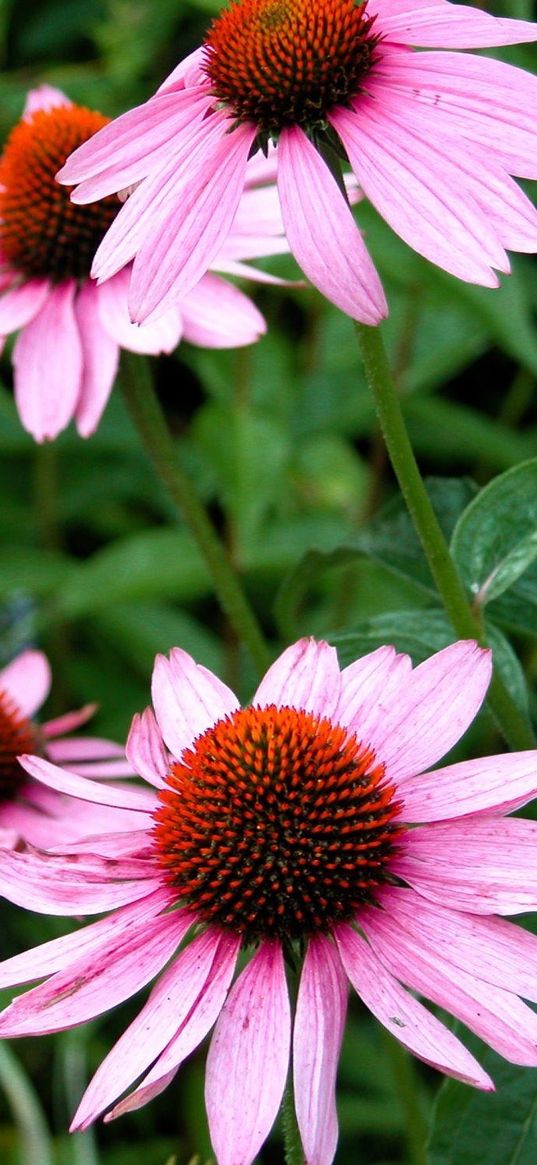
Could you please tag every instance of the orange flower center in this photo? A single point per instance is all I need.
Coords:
(17, 735)
(288, 62)
(275, 823)
(43, 233)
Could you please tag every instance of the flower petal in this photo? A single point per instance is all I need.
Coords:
(192, 1030)
(74, 885)
(100, 360)
(495, 871)
(454, 26)
(204, 202)
(161, 335)
(305, 676)
(498, 1017)
(417, 184)
(171, 1002)
(322, 233)
(140, 800)
(187, 699)
(490, 948)
(218, 315)
(20, 304)
(138, 141)
(491, 784)
(318, 1031)
(26, 680)
(145, 749)
(248, 1059)
(367, 682)
(48, 363)
(438, 702)
(403, 1016)
(102, 978)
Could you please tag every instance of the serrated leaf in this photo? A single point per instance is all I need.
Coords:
(486, 1128)
(495, 540)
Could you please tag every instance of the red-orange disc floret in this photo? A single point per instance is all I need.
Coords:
(288, 62)
(17, 736)
(275, 823)
(44, 234)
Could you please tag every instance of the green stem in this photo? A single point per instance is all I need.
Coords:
(443, 569)
(406, 1084)
(35, 1139)
(148, 417)
(292, 1144)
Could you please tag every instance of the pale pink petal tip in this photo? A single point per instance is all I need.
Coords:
(305, 676)
(45, 97)
(26, 680)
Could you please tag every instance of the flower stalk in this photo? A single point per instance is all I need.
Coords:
(147, 415)
(448, 582)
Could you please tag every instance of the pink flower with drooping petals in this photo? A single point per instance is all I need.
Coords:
(30, 813)
(71, 330)
(432, 138)
(305, 826)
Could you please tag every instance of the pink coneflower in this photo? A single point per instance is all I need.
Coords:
(432, 138)
(71, 330)
(29, 813)
(283, 831)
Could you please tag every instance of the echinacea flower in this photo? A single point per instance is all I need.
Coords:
(71, 330)
(432, 138)
(304, 829)
(30, 813)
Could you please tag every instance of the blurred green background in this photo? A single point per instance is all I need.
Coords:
(95, 570)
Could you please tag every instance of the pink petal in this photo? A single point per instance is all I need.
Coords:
(100, 357)
(155, 201)
(59, 953)
(438, 702)
(48, 364)
(69, 722)
(453, 26)
(137, 142)
(417, 183)
(172, 1001)
(492, 783)
(322, 233)
(161, 335)
(21, 303)
(248, 1059)
(218, 315)
(193, 1029)
(306, 676)
(406, 1018)
(488, 101)
(44, 97)
(71, 886)
(489, 948)
(145, 749)
(84, 748)
(98, 981)
(204, 204)
(76, 786)
(368, 683)
(497, 1016)
(495, 871)
(26, 680)
(187, 699)
(187, 72)
(318, 1031)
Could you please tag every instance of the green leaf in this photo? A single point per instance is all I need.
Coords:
(390, 538)
(495, 540)
(138, 631)
(486, 1128)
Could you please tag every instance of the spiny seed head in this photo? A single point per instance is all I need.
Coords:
(43, 233)
(289, 62)
(17, 736)
(275, 823)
